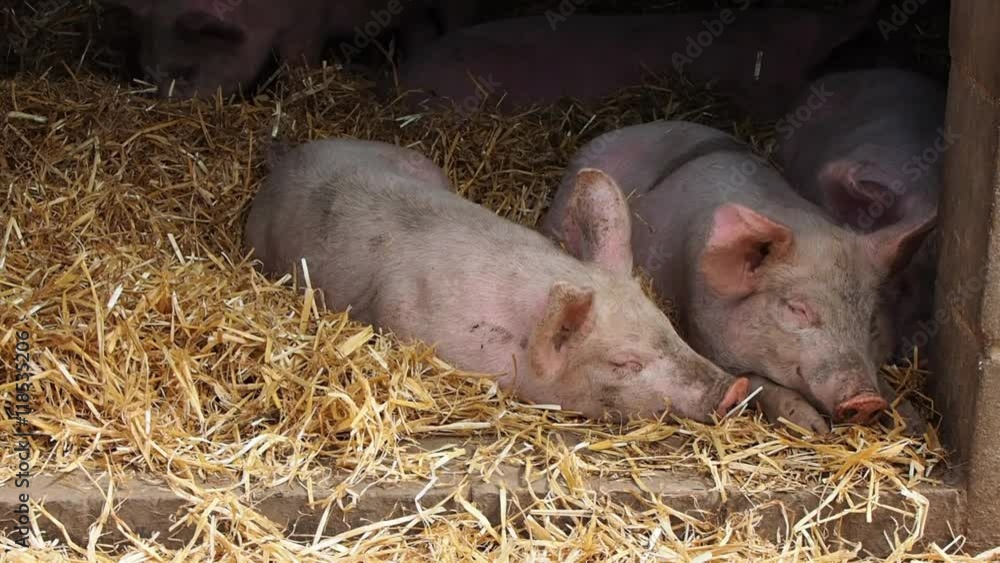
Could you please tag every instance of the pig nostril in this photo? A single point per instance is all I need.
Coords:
(860, 409)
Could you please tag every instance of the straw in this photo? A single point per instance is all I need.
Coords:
(158, 349)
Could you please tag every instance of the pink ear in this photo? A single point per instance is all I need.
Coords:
(740, 243)
(892, 248)
(857, 193)
(597, 227)
(567, 317)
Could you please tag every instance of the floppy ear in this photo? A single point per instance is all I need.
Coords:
(892, 249)
(568, 317)
(856, 194)
(740, 243)
(597, 227)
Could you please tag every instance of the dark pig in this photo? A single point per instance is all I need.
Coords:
(871, 153)
(382, 232)
(194, 47)
(764, 282)
(758, 57)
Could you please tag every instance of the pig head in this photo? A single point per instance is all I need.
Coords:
(870, 153)
(194, 47)
(801, 306)
(199, 46)
(614, 325)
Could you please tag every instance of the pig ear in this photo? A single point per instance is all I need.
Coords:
(568, 316)
(854, 194)
(741, 242)
(597, 227)
(894, 247)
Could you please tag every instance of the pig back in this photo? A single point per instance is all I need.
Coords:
(335, 203)
(679, 169)
(638, 158)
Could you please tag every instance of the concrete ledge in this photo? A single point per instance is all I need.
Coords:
(151, 508)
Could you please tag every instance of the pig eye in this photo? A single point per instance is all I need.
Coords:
(627, 366)
(801, 311)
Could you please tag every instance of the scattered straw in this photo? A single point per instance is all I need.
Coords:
(157, 349)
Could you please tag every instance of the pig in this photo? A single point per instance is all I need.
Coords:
(195, 47)
(383, 234)
(540, 59)
(871, 155)
(763, 281)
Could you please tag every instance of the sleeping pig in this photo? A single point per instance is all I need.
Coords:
(197, 46)
(764, 282)
(761, 58)
(871, 153)
(382, 232)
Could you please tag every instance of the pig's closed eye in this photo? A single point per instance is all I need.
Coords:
(627, 366)
(801, 312)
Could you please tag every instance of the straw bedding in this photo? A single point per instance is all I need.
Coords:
(158, 349)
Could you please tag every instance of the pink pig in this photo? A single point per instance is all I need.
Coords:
(383, 234)
(763, 281)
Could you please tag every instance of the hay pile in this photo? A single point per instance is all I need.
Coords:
(158, 349)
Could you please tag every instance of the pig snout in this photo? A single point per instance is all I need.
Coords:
(694, 392)
(734, 396)
(860, 409)
(850, 397)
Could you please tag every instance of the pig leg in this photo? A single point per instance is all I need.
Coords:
(776, 401)
(913, 421)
